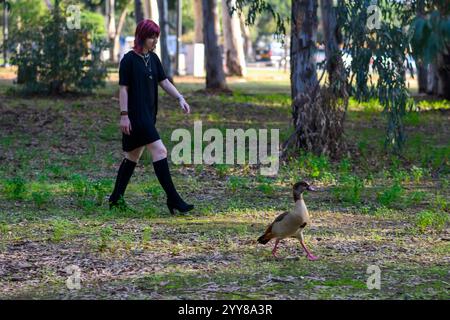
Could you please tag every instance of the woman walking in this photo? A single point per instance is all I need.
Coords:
(140, 72)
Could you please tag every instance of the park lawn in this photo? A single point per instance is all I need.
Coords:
(59, 158)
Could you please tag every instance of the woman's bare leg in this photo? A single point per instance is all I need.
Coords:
(134, 155)
(157, 150)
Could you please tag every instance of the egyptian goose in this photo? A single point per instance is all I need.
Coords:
(291, 223)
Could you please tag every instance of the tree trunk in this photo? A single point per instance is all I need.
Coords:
(422, 68)
(123, 15)
(318, 113)
(138, 11)
(147, 8)
(164, 26)
(198, 21)
(248, 47)
(443, 73)
(303, 47)
(422, 77)
(432, 79)
(111, 26)
(331, 36)
(233, 44)
(215, 77)
(153, 14)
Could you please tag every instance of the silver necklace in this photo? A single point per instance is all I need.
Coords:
(146, 59)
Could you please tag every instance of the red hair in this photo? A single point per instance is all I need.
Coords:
(145, 29)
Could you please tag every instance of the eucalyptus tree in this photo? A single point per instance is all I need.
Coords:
(376, 40)
(215, 76)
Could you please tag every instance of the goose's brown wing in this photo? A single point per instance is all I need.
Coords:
(277, 219)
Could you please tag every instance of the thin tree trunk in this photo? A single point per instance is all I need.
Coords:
(432, 79)
(153, 14)
(443, 73)
(422, 77)
(138, 11)
(233, 44)
(198, 21)
(111, 26)
(248, 47)
(147, 9)
(215, 76)
(164, 26)
(422, 68)
(331, 31)
(119, 28)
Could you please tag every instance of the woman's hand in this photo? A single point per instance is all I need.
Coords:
(125, 124)
(184, 105)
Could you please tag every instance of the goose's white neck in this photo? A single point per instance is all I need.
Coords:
(300, 205)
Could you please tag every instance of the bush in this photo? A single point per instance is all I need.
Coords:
(54, 59)
(15, 188)
(391, 195)
(349, 189)
(431, 219)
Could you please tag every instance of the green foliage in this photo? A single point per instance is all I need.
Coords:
(349, 189)
(80, 185)
(222, 169)
(61, 228)
(256, 7)
(147, 234)
(15, 188)
(106, 234)
(417, 173)
(390, 195)
(236, 183)
(266, 188)
(441, 203)
(41, 198)
(54, 59)
(430, 35)
(387, 46)
(431, 219)
(95, 23)
(100, 189)
(25, 13)
(415, 198)
(154, 190)
(316, 167)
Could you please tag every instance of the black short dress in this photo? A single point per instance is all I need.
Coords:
(142, 82)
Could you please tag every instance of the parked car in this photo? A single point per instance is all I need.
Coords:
(263, 54)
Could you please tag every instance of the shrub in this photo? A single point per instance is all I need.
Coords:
(15, 188)
(349, 189)
(429, 218)
(390, 195)
(55, 59)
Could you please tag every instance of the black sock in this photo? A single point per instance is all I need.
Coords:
(161, 168)
(124, 174)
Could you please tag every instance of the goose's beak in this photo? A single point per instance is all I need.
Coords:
(311, 188)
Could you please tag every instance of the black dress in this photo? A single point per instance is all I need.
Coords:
(142, 82)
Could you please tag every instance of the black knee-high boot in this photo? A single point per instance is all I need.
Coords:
(124, 174)
(174, 201)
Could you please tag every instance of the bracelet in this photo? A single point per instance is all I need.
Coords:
(180, 97)
(123, 113)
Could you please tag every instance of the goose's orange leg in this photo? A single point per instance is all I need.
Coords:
(274, 251)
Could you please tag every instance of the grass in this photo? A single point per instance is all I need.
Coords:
(373, 208)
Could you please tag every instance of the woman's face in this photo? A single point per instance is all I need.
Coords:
(150, 43)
